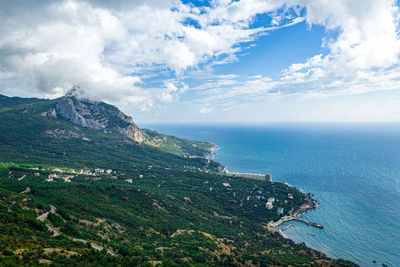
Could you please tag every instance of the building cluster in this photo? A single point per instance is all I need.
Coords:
(66, 174)
(269, 203)
(66, 178)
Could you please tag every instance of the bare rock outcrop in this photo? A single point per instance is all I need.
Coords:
(94, 115)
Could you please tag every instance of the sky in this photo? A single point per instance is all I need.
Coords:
(218, 61)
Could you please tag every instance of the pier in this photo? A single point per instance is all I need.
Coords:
(273, 226)
(320, 226)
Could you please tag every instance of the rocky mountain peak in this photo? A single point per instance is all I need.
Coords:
(95, 115)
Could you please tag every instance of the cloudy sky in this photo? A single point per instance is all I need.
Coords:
(209, 61)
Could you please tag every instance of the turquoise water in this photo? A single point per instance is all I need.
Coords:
(353, 170)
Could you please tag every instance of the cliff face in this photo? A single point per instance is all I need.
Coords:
(81, 113)
(95, 115)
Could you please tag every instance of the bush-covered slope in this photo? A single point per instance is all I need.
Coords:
(167, 216)
(73, 119)
(27, 136)
(9, 102)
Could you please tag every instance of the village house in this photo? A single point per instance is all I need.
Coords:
(109, 171)
(67, 178)
(128, 180)
(88, 172)
(97, 170)
(51, 177)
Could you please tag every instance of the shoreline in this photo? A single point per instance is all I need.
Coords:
(309, 204)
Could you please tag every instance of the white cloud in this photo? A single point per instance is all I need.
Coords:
(110, 48)
(206, 110)
(367, 44)
(49, 46)
(363, 55)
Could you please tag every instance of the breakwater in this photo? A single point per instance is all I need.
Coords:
(273, 226)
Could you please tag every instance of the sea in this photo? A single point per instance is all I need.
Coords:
(352, 169)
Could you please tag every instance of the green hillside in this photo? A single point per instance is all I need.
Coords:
(166, 216)
(9, 102)
(151, 208)
(27, 136)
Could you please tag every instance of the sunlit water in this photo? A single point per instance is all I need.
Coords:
(353, 170)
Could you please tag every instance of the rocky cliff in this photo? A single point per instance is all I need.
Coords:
(94, 115)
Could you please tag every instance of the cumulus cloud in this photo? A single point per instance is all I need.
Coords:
(114, 49)
(110, 47)
(363, 54)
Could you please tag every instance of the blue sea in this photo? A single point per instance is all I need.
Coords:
(352, 169)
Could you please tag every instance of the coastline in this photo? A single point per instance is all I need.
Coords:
(211, 151)
(309, 204)
(230, 155)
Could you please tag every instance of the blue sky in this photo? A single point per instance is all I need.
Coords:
(209, 61)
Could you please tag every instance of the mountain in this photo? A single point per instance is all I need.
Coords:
(58, 130)
(94, 115)
(108, 118)
(8, 102)
(78, 190)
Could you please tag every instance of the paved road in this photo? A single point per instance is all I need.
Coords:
(44, 216)
(52, 209)
(27, 190)
(54, 231)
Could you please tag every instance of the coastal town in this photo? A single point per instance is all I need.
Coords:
(254, 195)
